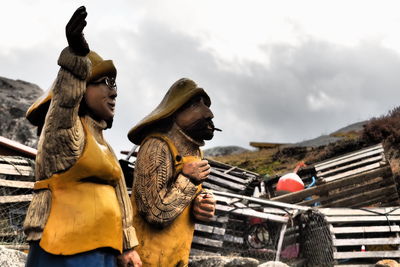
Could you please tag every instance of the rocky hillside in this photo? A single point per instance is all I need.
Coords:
(15, 98)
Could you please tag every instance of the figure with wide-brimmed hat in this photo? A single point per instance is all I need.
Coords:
(80, 214)
(167, 195)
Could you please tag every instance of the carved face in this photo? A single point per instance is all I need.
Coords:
(195, 119)
(100, 100)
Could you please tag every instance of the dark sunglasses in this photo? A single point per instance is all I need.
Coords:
(110, 82)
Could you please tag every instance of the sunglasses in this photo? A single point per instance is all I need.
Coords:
(110, 82)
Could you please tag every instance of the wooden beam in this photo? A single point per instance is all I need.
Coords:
(352, 219)
(365, 229)
(16, 184)
(20, 170)
(366, 241)
(14, 199)
(229, 177)
(252, 213)
(352, 172)
(367, 254)
(209, 229)
(359, 212)
(225, 183)
(207, 241)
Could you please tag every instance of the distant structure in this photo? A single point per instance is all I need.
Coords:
(264, 145)
(9, 147)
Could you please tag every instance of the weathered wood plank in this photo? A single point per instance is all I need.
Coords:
(352, 172)
(367, 254)
(359, 212)
(252, 213)
(16, 247)
(225, 183)
(340, 219)
(215, 163)
(233, 239)
(362, 152)
(8, 169)
(353, 200)
(16, 184)
(229, 177)
(265, 202)
(14, 160)
(350, 166)
(199, 252)
(13, 199)
(209, 229)
(366, 241)
(365, 229)
(207, 241)
(212, 186)
(370, 185)
(324, 188)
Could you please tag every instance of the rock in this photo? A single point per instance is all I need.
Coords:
(387, 263)
(12, 258)
(273, 264)
(222, 261)
(15, 98)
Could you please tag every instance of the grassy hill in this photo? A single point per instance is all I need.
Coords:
(271, 162)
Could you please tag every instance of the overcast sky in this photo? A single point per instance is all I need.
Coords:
(276, 71)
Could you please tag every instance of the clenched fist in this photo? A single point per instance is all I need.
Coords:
(204, 206)
(198, 171)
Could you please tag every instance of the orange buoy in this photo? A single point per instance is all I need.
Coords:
(291, 182)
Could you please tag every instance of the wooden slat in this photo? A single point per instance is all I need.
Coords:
(345, 158)
(365, 229)
(359, 212)
(207, 241)
(367, 241)
(209, 229)
(16, 184)
(340, 219)
(264, 202)
(370, 185)
(367, 254)
(355, 265)
(212, 186)
(229, 177)
(378, 200)
(227, 184)
(215, 163)
(8, 169)
(352, 172)
(13, 199)
(199, 252)
(233, 239)
(16, 247)
(321, 189)
(353, 200)
(14, 160)
(252, 213)
(350, 166)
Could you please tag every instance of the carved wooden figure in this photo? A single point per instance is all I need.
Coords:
(167, 195)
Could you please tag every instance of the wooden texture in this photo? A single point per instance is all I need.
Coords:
(14, 199)
(16, 184)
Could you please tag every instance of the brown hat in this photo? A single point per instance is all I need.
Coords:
(179, 94)
(36, 113)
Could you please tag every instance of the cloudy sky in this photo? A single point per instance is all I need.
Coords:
(276, 71)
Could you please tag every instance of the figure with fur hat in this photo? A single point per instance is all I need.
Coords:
(80, 214)
(167, 195)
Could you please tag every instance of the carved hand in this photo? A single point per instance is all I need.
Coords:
(197, 170)
(129, 258)
(204, 207)
(74, 32)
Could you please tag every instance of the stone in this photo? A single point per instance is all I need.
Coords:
(12, 258)
(222, 261)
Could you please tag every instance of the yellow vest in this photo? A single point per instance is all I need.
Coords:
(84, 215)
(169, 246)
